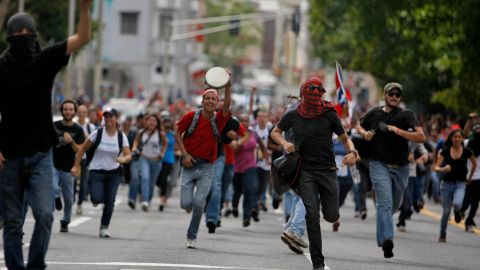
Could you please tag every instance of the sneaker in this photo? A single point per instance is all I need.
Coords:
(458, 216)
(363, 215)
(262, 206)
(470, 228)
(145, 206)
(131, 204)
(190, 243)
(211, 227)
(104, 233)
(291, 245)
(79, 210)
(58, 204)
(401, 228)
(254, 214)
(219, 224)
(442, 238)
(357, 214)
(63, 228)
(336, 225)
(246, 223)
(235, 212)
(160, 208)
(227, 212)
(387, 248)
(295, 238)
(275, 203)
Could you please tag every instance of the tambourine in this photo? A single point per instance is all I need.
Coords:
(217, 77)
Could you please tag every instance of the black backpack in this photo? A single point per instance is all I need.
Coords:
(91, 151)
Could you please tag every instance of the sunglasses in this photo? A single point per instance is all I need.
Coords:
(314, 87)
(397, 94)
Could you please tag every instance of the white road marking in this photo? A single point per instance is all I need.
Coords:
(79, 221)
(139, 264)
(307, 255)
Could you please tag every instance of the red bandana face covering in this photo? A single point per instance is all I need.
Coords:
(312, 104)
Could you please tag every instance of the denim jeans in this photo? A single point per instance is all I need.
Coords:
(144, 173)
(288, 203)
(83, 191)
(65, 185)
(472, 198)
(227, 192)
(452, 195)
(103, 186)
(296, 222)
(345, 183)
(31, 177)
(415, 189)
(196, 183)
(246, 184)
(389, 184)
(212, 212)
(435, 184)
(263, 180)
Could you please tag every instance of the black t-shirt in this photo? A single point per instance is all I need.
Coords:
(26, 125)
(459, 168)
(232, 124)
(275, 154)
(314, 137)
(387, 147)
(63, 154)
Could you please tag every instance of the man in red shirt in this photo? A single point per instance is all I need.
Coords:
(201, 130)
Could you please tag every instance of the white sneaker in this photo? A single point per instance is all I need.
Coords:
(191, 243)
(104, 233)
(79, 210)
(145, 206)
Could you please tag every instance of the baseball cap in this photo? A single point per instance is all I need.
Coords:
(390, 86)
(110, 111)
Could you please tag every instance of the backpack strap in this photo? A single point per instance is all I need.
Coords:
(120, 141)
(194, 124)
(95, 144)
(89, 129)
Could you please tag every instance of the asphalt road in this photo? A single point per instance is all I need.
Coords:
(156, 240)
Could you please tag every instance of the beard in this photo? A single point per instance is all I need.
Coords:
(67, 117)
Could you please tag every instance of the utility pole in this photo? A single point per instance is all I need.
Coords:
(97, 79)
(21, 6)
(71, 24)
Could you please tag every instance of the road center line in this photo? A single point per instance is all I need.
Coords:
(437, 216)
(78, 221)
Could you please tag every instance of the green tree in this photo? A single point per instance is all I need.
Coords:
(429, 46)
(222, 48)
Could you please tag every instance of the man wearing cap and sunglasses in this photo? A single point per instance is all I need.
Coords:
(389, 128)
(27, 74)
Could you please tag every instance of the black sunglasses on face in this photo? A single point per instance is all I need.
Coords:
(397, 94)
(314, 87)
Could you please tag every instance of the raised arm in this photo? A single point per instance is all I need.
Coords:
(82, 37)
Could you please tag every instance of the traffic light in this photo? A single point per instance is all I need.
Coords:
(234, 29)
(296, 21)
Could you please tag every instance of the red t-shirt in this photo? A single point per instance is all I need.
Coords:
(202, 143)
(229, 152)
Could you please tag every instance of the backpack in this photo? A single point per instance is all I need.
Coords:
(194, 124)
(91, 151)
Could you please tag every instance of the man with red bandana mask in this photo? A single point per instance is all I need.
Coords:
(199, 152)
(313, 123)
(27, 74)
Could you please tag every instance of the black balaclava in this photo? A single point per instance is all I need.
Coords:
(24, 47)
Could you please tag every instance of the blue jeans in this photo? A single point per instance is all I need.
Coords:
(389, 184)
(288, 203)
(415, 189)
(246, 183)
(263, 179)
(345, 183)
(103, 186)
(196, 183)
(31, 177)
(227, 178)
(65, 184)
(144, 173)
(296, 223)
(213, 205)
(452, 195)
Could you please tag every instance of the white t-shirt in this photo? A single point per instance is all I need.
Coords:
(152, 148)
(263, 135)
(85, 128)
(105, 157)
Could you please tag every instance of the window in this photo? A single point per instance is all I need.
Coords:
(165, 25)
(129, 23)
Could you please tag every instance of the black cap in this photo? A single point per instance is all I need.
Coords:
(110, 111)
(19, 21)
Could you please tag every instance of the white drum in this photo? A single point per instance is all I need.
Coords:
(217, 77)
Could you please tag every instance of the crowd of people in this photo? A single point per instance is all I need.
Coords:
(220, 157)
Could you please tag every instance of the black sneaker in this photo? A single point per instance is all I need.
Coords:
(442, 238)
(227, 212)
(254, 214)
(458, 216)
(160, 208)
(246, 223)
(363, 215)
(387, 248)
(131, 204)
(63, 228)
(211, 227)
(275, 203)
(58, 204)
(235, 212)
